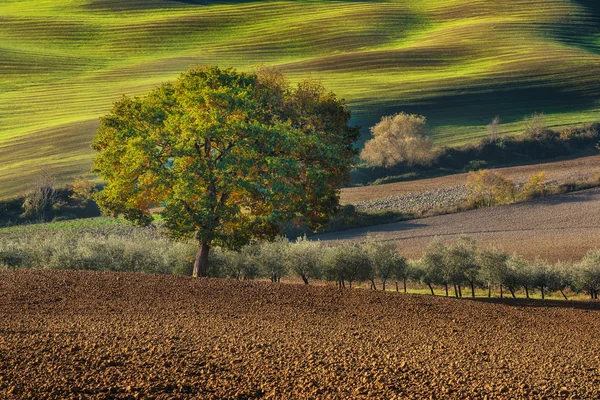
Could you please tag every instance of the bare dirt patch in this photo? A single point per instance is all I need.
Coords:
(106, 335)
(561, 227)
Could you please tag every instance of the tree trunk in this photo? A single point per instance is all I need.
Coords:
(455, 291)
(373, 286)
(200, 265)
(564, 295)
(526, 291)
(473, 289)
(501, 292)
(305, 279)
(430, 288)
(512, 292)
(397, 287)
(446, 290)
(542, 290)
(489, 291)
(459, 291)
(404, 285)
(383, 285)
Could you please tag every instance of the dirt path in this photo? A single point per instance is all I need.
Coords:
(72, 335)
(561, 227)
(556, 171)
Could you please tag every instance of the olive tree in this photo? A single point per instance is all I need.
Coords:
(432, 265)
(384, 260)
(494, 268)
(305, 258)
(587, 276)
(229, 157)
(271, 259)
(461, 264)
(347, 262)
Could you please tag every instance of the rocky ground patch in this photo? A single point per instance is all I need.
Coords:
(106, 335)
(418, 202)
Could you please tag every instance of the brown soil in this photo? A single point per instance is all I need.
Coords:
(559, 171)
(555, 228)
(105, 335)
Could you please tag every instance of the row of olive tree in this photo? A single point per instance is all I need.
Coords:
(454, 266)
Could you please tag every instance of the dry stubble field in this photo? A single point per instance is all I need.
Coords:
(554, 228)
(107, 335)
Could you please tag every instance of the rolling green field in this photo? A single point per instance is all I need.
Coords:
(459, 62)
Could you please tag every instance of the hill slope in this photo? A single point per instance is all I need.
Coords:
(459, 62)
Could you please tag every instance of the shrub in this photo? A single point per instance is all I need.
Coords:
(493, 129)
(534, 187)
(487, 188)
(536, 127)
(41, 199)
(399, 139)
(476, 165)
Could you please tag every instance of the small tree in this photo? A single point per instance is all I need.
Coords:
(41, 199)
(519, 273)
(305, 258)
(404, 270)
(542, 277)
(493, 268)
(271, 259)
(461, 264)
(433, 265)
(399, 139)
(562, 278)
(536, 127)
(494, 129)
(347, 262)
(230, 157)
(384, 260)
(587, 277)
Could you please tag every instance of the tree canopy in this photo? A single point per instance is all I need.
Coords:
(399, 139)
(229, 156)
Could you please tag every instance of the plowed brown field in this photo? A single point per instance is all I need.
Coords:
(105, 335)
(561, 227)
(560, 171)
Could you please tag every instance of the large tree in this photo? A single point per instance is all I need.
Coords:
(228, 156)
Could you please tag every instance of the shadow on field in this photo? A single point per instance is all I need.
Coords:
(579, 305)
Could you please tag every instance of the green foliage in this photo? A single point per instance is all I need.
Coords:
(433, 263)
(230, 156)
(347, 262)
(587, 276)
(304, 258)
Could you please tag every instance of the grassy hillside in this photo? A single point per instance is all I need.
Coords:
(459, 62)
